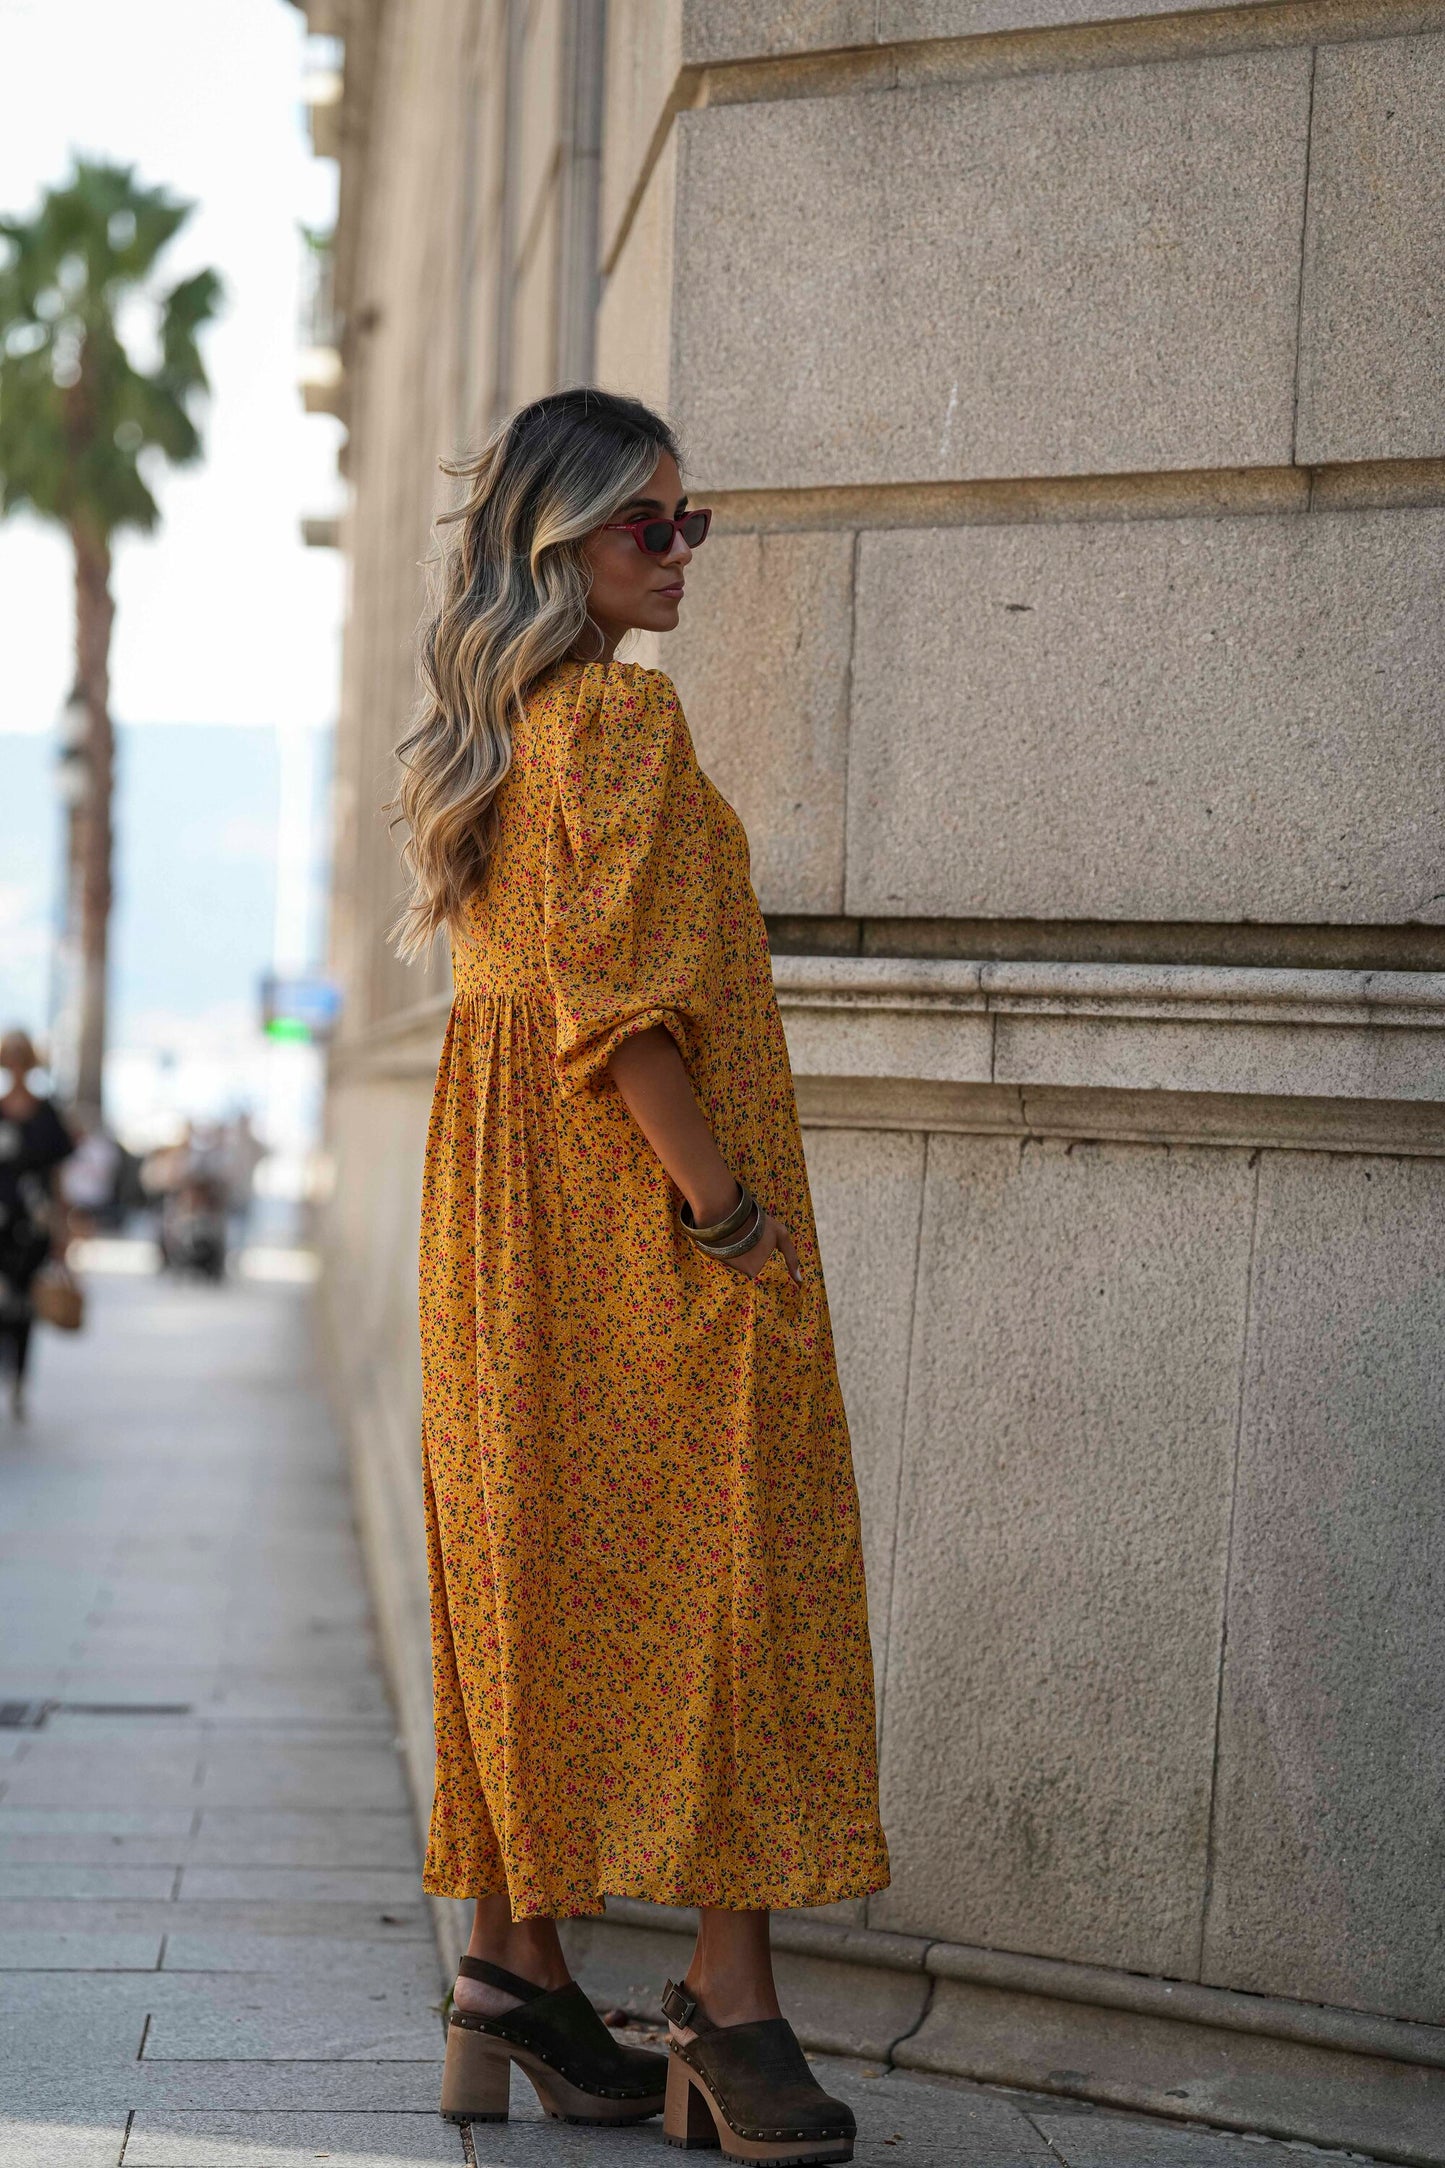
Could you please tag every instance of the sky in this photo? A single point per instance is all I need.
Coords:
(225, 620)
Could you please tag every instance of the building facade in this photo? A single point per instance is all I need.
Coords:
(1069, 393)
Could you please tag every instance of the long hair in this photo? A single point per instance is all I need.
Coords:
(509, 598)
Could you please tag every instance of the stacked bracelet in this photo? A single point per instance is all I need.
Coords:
(727, 1237)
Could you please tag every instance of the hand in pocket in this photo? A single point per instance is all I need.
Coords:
(773, 1236)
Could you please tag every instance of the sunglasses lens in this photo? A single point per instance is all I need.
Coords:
(692, 528)
(657, 537)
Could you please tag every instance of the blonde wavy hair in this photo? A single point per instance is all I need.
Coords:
(509, 589)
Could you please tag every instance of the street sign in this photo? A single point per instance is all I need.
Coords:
(299, 1009)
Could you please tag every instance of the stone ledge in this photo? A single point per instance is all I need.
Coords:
(1258, 2083)
(1358, 2032)
(1177, 992)
(1177, 493)
(1252, 1121)
(916, 44)
(1360, 1035)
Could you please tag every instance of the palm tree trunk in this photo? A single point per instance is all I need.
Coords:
(90, 819)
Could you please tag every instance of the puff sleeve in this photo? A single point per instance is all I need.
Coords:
(632, 913)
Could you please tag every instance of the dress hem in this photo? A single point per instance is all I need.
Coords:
(763, 1898)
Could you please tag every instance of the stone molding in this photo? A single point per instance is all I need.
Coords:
(1363, 1035)
(1359, 2032)
(1176, 1050)
(1366, 485)
(1166, 992)
(1225, 1120)
(1130, 37)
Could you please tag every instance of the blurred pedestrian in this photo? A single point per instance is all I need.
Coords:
(187, 1183)
(33, 1143)
(241, 1154)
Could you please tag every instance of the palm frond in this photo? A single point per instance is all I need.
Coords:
(77, 415)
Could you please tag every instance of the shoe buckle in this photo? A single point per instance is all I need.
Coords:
(678, 2005)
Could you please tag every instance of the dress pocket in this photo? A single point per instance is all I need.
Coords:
(775, 1271)
(774, 1274)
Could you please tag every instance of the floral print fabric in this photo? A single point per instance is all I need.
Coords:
(650, 1635)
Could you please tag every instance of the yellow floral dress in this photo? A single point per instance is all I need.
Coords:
(650, 1632)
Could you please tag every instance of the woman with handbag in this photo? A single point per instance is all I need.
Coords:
(651, 1655)
(33, 1143)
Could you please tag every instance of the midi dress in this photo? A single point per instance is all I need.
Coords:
(649, 1622)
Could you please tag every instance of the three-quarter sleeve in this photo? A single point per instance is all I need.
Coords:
(632, 912)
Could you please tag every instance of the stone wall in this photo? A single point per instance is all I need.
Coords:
(1069, 394)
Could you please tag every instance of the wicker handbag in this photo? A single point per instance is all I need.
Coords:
(55, 1296)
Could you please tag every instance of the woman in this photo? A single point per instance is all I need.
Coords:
(652, 1666)
(33, 1142)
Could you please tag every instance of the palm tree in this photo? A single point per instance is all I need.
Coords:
(80, 426)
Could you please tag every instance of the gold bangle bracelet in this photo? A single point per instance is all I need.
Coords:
(721, 1229)
(744, 1240)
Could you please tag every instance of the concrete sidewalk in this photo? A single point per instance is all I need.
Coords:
(214, 1952)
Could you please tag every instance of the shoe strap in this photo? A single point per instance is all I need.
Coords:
(507, 1983)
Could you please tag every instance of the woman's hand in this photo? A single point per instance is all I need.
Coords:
(650, 1073)
(774, 1236)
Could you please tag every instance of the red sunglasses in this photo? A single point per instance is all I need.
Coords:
(654, 536)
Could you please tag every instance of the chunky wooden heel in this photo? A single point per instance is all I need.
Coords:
(748, 2090)
(687, 2119)
(578, 2071)
(476, 2078)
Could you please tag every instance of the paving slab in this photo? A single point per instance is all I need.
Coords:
(35, 2001)
(147, 1647)
(900, 2121)
(256, 1837)
(328, 1957)
(392, 2088)
(71, 1880)
(199, 1684)
(1112, 2142)
(79, 1951)
(43, 2015)
(264, 1614)
(317, 1777)
(62, 2144)
(39, 1848)
(90, 1728)
(269, 2018)
(117, 1916)
(105, 2085)
(28, 1682)
(65, 1773)
(338, 1650)
(258, 1693)
(367, 1885)
(242, 2140)
(168, 1823)
(245, 1737)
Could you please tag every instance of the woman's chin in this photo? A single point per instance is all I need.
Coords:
(662, 616)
